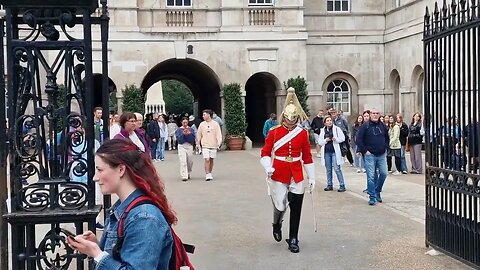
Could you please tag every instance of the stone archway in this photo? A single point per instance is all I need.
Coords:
(418, 76)
(97, 89)
(197, 76)
(260, 102)
(395, 87)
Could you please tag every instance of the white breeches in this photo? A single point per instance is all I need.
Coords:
(279, 191)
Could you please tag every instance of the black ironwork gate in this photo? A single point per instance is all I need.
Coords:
(452, 129)
(50, 127)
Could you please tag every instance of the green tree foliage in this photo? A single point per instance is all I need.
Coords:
(234, 110)
(113, 102)
(178, 98)
(300, 86)
(133, 99)
(60, 104)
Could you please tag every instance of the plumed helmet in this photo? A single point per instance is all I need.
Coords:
(293, 110)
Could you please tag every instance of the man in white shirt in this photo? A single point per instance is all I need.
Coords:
(209, 138)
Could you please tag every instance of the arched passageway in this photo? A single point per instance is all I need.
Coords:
(198, 77)
(260, 102)
(417, 84)
(97, 89)
(395, 86)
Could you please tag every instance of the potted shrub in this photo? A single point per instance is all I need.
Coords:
(234, 116)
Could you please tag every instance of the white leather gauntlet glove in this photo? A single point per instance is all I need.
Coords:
(267, 165)
(310, 169)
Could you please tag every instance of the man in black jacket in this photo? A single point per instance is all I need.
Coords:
(153, 132)
(372, 142)
(317, 125)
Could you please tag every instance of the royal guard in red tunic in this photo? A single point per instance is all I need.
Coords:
(285, 156)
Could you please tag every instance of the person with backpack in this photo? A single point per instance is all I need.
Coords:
(138, 233)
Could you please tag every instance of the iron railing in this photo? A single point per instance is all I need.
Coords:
(50, 127)
(452, 127)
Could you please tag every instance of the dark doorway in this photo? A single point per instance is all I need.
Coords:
(97, 89)
(198, 77)
(260, 102)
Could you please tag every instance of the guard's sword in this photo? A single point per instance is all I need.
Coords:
(268, 181)
(314, 212)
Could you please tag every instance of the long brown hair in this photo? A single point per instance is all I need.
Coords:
(387, 121)
(413, 118)
(140, 169)
(356, 123)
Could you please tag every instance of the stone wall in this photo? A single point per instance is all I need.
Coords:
(372, 47)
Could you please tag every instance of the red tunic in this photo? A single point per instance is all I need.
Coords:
(299, 146)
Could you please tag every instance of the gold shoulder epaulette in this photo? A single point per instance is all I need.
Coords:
(274, 127)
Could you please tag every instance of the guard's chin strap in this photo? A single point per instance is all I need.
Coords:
(290, 128)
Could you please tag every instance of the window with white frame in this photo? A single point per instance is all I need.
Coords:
(339, 95)
(260, 2)
(338, 5)
(179, 3)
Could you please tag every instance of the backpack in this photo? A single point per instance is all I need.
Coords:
(179, 256)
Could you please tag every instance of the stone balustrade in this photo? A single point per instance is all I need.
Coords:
(179, 18)
(155, 108)
(261, 16)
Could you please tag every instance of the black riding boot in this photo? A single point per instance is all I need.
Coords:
(295, 202)
(277, 224)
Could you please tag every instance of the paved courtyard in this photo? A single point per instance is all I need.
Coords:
(229, 220)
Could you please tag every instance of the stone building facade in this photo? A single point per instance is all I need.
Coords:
(354, 54)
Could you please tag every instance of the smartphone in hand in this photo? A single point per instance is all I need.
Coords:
(70, 236)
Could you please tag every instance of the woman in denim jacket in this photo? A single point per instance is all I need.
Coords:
(124, 170)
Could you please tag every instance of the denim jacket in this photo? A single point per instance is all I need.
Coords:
(147, 237)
